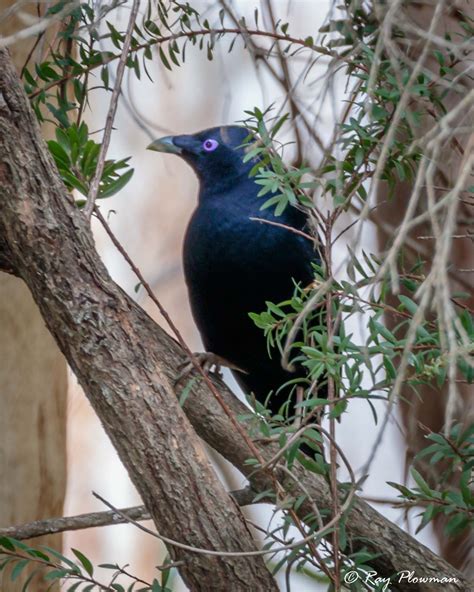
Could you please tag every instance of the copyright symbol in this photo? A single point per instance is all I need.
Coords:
(350, 577)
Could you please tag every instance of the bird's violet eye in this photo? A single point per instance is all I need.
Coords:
(210, 145)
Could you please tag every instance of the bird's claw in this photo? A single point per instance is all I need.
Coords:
(206, 360)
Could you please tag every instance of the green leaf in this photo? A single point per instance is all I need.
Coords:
(338, 409)
(382, 330)
(164, 59)
(342, 535)
(422, 484)
(166, 573)
(59, 154)
(359, 156)
(466, 491)
(79, 90)
(456, 524)
(428, 515)
(89, 158)
(59, 114)
(37, 553)
(187, 390)
(408, 304)
(19, 567)
(7, 543)
(311, 465)
(45, 72)
(104, 74)
(57, 574)
(117, 185)
(402, 489)
(85, 562)
(74, 183)
(62, 558)
(312, 402)
(276, 128)
(172, 54)
(389, 368)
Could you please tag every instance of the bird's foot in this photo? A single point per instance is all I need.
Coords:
(208, 362)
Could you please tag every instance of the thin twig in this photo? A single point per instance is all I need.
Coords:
(94, 187)
(190, 35)
(332, 396)
(311, 537)
(285, 227)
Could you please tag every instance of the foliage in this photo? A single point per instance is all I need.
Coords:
(418, 340)
(78, 575)
(76, 156)
(456, 452)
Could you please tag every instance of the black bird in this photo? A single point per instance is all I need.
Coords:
(234, 265)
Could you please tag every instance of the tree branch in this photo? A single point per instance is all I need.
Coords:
(38, 528)
(127, 364)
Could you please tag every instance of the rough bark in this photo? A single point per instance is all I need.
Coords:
(33, 390)
(109, 343)
(427, 408)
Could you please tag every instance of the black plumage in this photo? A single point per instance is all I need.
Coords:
(234, 265)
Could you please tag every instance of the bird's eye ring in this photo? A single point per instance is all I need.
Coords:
(210, 145)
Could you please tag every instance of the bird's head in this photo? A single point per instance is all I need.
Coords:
(215, 154)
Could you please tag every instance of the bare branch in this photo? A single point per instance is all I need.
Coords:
(94, 186)
(38, 528)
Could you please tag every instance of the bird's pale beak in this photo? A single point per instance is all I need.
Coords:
(165, 144)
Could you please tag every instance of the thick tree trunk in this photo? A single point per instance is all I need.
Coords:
(108, 341)
(428, 407)
(126, 365)
(33, 394)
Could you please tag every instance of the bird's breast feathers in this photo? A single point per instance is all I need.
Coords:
(226, 241)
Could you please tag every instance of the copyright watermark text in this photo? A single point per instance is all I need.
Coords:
(373, 579)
